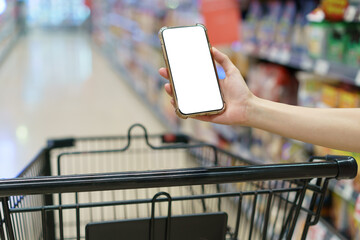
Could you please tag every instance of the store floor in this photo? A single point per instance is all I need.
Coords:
(58, 84)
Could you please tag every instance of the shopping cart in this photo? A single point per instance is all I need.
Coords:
(159, 187)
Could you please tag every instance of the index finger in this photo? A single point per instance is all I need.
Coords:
(164, 73)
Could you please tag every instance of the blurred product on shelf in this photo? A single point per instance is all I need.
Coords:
(321, 232)
(268, 25)
(309, 94)
(343, 218)
(286, 27)
(10, 26)
(336, 42)
(335, 34)
(222, 20)
(276, 30)
(317, 39)
(334, 10)
(294, 34)
(353, 45)
(273, 82)
(250, 26)
(267, 146)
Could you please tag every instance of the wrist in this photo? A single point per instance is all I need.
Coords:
(252, 110)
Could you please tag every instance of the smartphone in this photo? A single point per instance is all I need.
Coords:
(192, 70)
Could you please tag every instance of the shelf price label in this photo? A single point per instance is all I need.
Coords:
(321, 67)
(357, 79)
(306, 63)
(273, 55)
(284, 57)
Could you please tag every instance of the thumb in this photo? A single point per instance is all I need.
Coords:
(223, 60)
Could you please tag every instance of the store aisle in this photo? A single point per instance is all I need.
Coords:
(58, 84)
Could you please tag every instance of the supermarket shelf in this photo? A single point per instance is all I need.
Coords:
(344, 191)
(348, 74)
(7, 31)
(150, 70)
(138, 35)
(230, 135)
(245, 153)
(120, 21)
(325, 231)
(140, 92)
(11, 42)
(227, 132)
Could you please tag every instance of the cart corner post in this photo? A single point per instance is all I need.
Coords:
(49, 225)
(8, 224)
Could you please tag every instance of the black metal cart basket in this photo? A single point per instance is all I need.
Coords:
(158, 187)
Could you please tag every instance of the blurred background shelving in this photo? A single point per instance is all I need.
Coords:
(10, 28)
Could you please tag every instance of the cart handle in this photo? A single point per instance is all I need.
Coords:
(339, 167)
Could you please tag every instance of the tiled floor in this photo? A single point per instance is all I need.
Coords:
(58, 84)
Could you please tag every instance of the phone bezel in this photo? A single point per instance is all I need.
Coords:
(163, 47)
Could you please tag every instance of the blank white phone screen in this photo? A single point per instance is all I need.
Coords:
(192, 70)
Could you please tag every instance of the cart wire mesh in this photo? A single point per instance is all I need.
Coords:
(76, 182)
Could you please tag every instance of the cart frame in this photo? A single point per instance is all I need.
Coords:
(36, 179)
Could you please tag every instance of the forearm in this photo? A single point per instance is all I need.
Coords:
(333, 128)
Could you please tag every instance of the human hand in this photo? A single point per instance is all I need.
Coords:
(235, 92)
